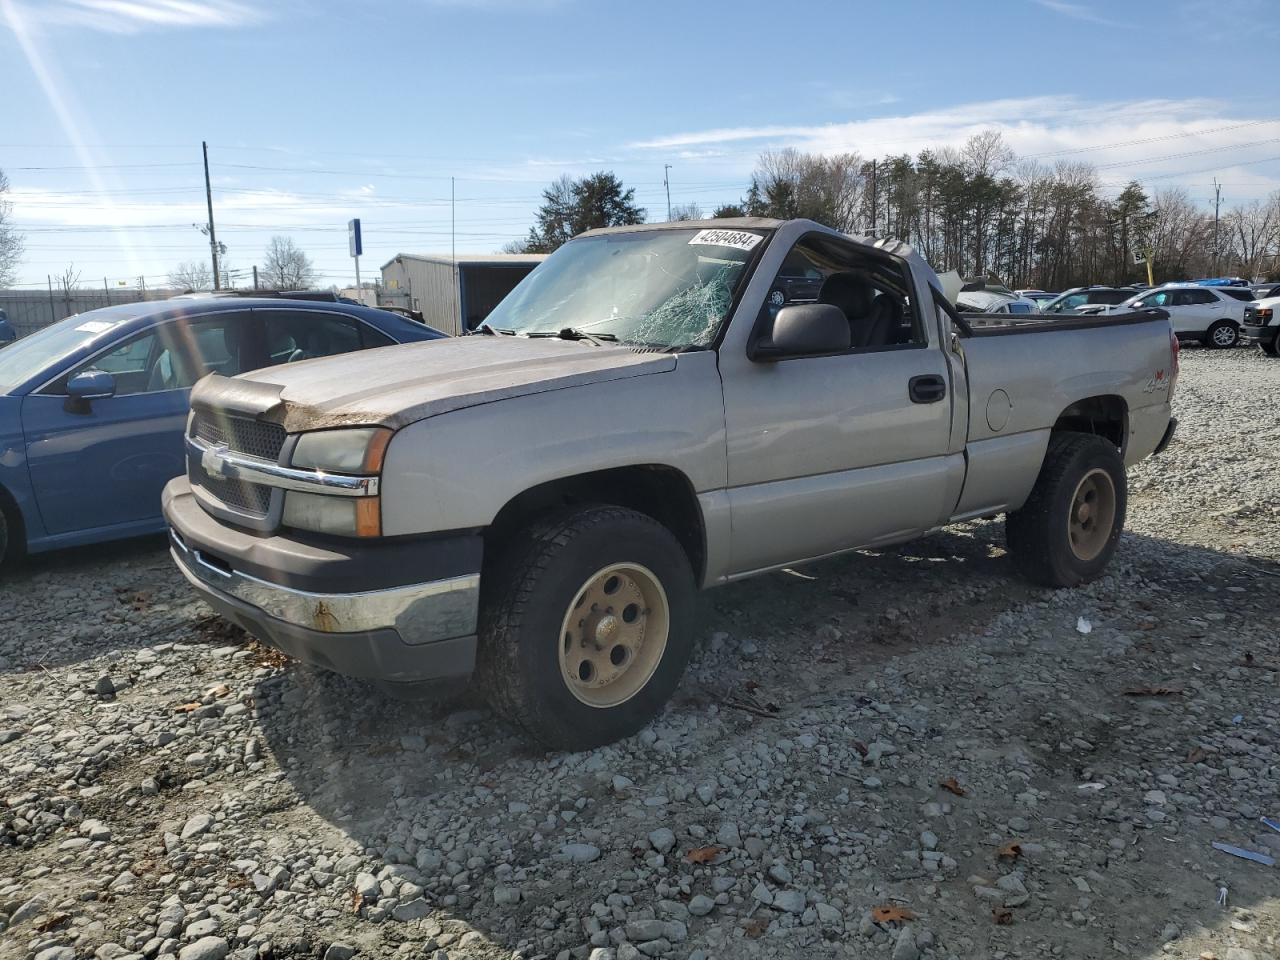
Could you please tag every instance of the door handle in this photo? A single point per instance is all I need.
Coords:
(929, 388)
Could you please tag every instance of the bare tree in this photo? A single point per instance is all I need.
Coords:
(1253, 235)
(10, 240)
(191, 275)
(686, 211)
(286, 266)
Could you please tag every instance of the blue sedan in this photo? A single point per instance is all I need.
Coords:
(92, 408)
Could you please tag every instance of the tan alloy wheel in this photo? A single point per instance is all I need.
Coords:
(614, 635)
(1093, 512)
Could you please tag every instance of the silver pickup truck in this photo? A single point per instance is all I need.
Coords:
(537, 504)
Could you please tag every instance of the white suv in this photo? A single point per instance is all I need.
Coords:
(1212, 315)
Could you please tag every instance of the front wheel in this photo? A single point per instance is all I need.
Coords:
(586, 626)
(1222, 334)
(1067, 531)
(777, 298)
(1271, 347)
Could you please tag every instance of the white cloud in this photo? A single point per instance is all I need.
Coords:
(134, 16)
(1077, 11)
(1168, 140)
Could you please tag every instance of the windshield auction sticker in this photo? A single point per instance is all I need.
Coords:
(738, 239)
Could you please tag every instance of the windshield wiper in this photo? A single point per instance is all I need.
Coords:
(491, 331)
(573, 333)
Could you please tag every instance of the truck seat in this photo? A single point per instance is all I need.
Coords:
(854, 296)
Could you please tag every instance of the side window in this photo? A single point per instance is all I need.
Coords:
(293, 335)
(874, 294)
(1203, 296)
(207, 345)
(1074, 301)
(140, 365)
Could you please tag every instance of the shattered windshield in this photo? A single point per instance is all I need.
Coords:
(663, 289)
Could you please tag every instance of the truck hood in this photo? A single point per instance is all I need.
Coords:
(395, 386)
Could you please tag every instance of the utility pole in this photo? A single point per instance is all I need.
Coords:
(453, 255)
(874, 207)
(255, 276)
(213, 239)
(53, 316)
(1217, 203)
(666, 182)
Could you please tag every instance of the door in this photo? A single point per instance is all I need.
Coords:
(1194, 310)
(826, 453)
(103, 462)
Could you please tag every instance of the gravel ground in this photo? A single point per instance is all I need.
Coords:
(900, 754)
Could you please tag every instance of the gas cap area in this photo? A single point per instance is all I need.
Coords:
(998, 407)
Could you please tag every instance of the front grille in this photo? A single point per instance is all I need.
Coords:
(251, 498)
(254, 438)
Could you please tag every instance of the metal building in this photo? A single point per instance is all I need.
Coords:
(453, 294)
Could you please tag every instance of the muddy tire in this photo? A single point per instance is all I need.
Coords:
(1067, 531)
(1271, 347)
(585, 626)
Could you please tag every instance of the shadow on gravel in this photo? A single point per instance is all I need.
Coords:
(407, 779)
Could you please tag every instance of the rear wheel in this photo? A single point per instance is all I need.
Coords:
(586, 626)
(1067, 531)
(1222, 334)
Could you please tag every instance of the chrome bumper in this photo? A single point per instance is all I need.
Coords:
(420, 613)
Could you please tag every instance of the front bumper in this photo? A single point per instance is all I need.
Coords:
(357, 609)
(1259, 334)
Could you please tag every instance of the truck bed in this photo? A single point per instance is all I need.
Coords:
(999, 324)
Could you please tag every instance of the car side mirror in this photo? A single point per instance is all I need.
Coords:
(805, 330)
(91, 385)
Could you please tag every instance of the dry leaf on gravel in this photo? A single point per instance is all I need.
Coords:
(1001, 917)
(221, 690)
(703, 854)
(755, 928)
(1153, 692)
(1197, 755)
(891, 914)
(1010, 851)
(188, 707)
(952, 786)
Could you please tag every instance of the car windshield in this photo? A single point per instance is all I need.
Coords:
(30, 355)
(662, 289)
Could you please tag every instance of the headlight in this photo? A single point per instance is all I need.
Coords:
(340, 516)
(358, 450)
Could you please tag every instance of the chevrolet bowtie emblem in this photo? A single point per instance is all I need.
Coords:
(212, 462)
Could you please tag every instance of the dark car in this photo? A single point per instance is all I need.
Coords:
(7, 333)
(1072, 300)
(795, 284)
(92, 408)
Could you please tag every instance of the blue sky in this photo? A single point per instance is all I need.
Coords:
(319, 111)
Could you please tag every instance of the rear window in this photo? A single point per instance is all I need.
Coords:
(1245, 295)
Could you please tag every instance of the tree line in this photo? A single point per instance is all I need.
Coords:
(978, 209)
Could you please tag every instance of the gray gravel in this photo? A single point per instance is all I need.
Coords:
(913, 731)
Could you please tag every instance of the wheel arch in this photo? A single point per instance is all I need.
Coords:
(1104, 415)
(17, 524)
(656, 490)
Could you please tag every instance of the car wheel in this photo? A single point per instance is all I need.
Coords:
(777, 298)
(1270, 347)
(1222, 334)
(586, 626)
(1067, 531)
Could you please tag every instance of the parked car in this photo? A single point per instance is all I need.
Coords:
(1264, 291)
(92, 407)
(1040, 296)
(1211, 315)
(1262, 325)
(1071, 301)
(795, 284)
(988, 301)
(540, 506)
(7, 333)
